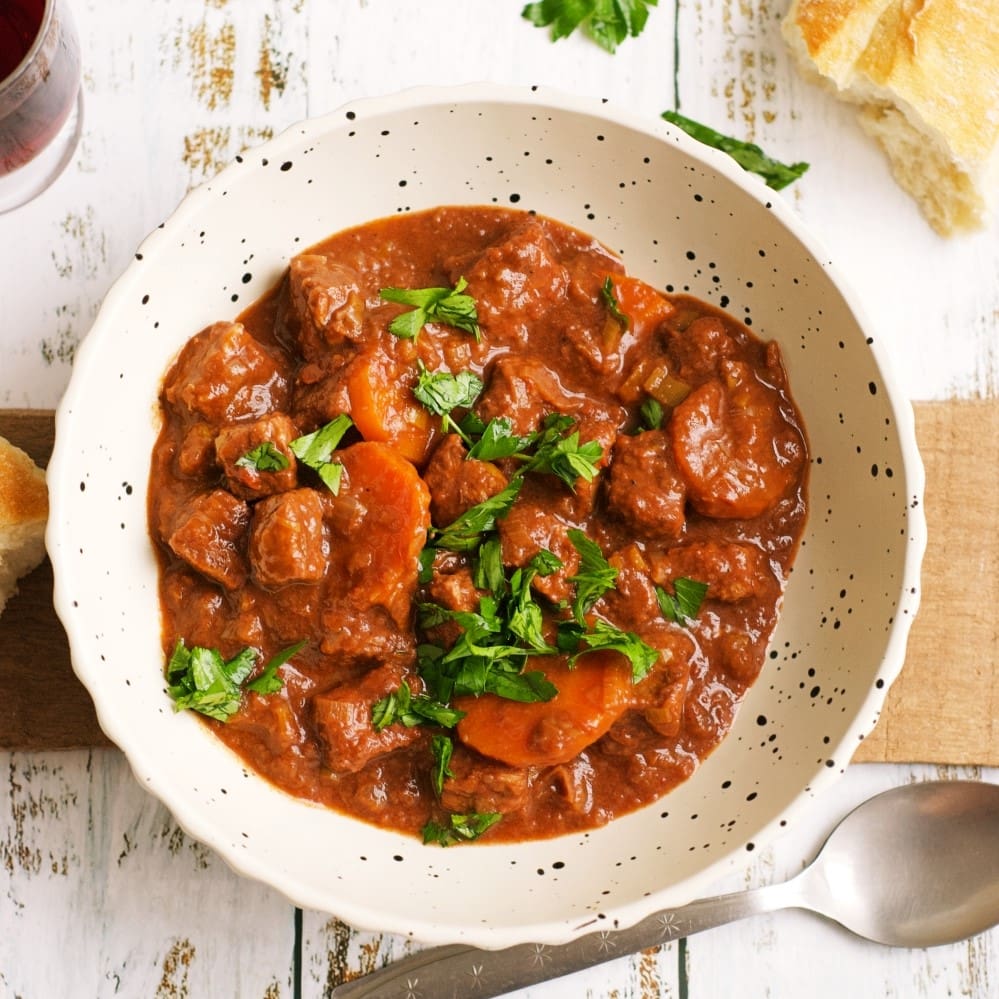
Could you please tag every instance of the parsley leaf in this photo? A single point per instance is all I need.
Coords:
(485, 658)
(441, 748)
(684, 603)
(316, 449)
(488, 571)
(595, 577)
(448, 306)
(461, 827)
(651, 413)
(465, 533)
(604, 635)
(610, 300)
(749, 156)
(526, 619)
(401, 706)
(199, 679)
(442, 391)
(264, 457)
(559, 453)
(269, 682)
(498, 440)
(607, 22)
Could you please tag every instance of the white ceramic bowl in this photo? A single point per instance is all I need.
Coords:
(684, 217)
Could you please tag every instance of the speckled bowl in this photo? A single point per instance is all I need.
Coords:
(683, 217)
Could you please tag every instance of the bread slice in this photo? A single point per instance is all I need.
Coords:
(925, 74)
(24, 508)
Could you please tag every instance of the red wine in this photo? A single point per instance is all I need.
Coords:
(20, 22)
(35, 98)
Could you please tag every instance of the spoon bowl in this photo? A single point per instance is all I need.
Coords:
(915, 866)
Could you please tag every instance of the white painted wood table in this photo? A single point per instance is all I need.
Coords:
(102, 894)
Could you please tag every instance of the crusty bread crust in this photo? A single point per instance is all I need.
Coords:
(926, 76)
(24, 507)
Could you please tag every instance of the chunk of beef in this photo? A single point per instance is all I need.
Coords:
(573, 783)
(700, 347)
(530, 527)
(341, 718)
(250, 479)
(287, 542)
(453, 588)
(525, 391)
(353, 633)
(458, 483)
(209, 535)
(324, 307)
(516, 281)
(732, 570)
(271, 720)
(644, 487)
(481, 785)
(195, 456)
(224, 375)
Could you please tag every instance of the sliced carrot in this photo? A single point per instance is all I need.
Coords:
(591, 697)
(391, 506)
(384, 409)
(644, 306)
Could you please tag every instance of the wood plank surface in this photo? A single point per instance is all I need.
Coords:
(104, 895)
(941, 710)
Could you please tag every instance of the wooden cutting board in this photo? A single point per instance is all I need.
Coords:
(941, 710)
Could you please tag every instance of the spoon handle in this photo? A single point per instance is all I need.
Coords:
(458, 971)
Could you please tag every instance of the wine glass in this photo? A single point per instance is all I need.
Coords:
(41, 100)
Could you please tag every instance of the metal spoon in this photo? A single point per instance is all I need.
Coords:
(915, 866)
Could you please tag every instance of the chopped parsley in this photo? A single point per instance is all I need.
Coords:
(558, 452)
(613, 306)
(461, 828)
(316, 449)
(651, 414)
(595, 576)
(441, 391)
(749, 156)
(441, 748)
(466, 533)
(448, 306)
(497, 440)
(199, 679)
(264, 457)
(603, 635)
(683, 604)
(402, 706)
(607, 22)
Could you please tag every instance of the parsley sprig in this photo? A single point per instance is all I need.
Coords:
(316, 450)
(448, 306)
(265, 457)
(199, 678)
(460, 828)
(747, 154)
(594, 578)
(410, 710)
(609, 295)
(607, 22)
(684, 603)
(442, 392)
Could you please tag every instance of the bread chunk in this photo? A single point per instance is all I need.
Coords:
(24, 509)
(925, 75)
